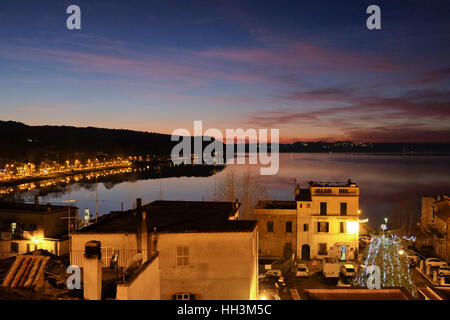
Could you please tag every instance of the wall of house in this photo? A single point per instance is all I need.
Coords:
(221, 265)
(146, 285)
(125, 243)
(48, 224)
(426, 218)
(441, 244)
(272, 244)
(333, 238)
(54, 246)
(334, 204)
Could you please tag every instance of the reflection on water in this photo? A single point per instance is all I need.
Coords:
(384, 180)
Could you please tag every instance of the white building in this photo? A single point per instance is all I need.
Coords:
(322, 221)
(190, 250)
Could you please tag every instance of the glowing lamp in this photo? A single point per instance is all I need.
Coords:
(352, 227)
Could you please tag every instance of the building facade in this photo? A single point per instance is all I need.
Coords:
(25, 227)
(434, 220)
(323, 221)
(203, 251)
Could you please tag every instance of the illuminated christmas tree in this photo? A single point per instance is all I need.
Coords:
(387, 254)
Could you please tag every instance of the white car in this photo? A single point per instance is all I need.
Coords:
(301, 270)
(434, 262)
(444, 270)
(347, 270)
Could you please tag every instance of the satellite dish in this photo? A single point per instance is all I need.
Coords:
(134, 263)
(113, 263)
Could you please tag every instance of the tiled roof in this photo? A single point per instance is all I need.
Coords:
(25, 272)
(12, 206)
(175, 217)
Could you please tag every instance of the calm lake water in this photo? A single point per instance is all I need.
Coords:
(385, 182)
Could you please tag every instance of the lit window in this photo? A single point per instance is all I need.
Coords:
(182, 256)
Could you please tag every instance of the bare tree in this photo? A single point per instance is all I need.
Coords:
(405, 215)
(247, 187)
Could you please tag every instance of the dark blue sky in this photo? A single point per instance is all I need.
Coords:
(310, 68)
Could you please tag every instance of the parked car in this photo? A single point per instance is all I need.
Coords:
(434, 262)
(330, 267)
(301, 270)
(344, 282)
(347, 270)
(444, 270)
(274, 272)
(413, 260)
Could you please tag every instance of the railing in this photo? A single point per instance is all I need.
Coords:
(76, 256)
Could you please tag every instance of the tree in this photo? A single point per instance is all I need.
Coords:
(388, 254)
(405, 215)
(247, 187)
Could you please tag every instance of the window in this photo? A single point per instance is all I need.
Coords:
(182, 256)
(301, 205)
(288, 226)
(305, 227)
(14, 247)
(343, 208)
(269, 226)
(342, 227)
(323, 208)
(322, 226)
(323, 249)
(184, 296)
(308, 205)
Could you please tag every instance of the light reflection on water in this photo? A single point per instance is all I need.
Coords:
(383, 181)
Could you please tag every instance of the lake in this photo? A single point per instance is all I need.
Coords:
(385, 182)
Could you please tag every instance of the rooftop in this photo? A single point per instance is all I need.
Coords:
(303, 195)
(24, 207)
(175, 217)
(348, 183)
(444, 214)
(268, 204)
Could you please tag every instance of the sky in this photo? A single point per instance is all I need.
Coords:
(312, 69)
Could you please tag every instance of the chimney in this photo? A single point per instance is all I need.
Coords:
(139, 204)
(36, 202)
(297, 190)
(142, 237)
(92, 271)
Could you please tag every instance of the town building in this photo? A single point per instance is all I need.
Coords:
(25, 227)
(187, 249)
(323, 221)
(434, 220)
